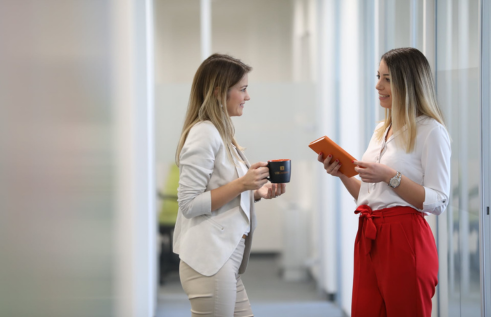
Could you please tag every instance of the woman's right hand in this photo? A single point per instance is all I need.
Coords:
(331, 168)
(256, 176)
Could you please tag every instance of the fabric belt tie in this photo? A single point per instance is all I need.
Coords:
(366, 226)
(369, 231)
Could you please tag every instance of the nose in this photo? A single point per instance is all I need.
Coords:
(379, 85)
(247, 97)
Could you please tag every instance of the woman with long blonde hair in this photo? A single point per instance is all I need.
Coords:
(405, 175)
(217, 191)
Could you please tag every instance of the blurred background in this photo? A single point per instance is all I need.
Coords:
(93, 95)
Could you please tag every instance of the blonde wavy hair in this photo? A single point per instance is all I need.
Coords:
(413, 94)
(208, 98)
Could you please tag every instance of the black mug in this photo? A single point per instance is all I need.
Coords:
(279, 171)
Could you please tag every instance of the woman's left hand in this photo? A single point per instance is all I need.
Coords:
(374, 172)
(270, 190)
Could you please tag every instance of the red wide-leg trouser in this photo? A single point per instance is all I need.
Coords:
(396, 264)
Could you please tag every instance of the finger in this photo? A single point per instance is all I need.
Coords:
(262, 182)
(262, 172)
(263, 169)
(283, 188)
(320, 157)
(258, 164)
(278, 189)
(270, 193)
(360, 164)
(336, 168)
(332, 166)
(327, 161)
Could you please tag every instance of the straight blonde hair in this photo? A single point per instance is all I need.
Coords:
(208, 99)
(413, 94)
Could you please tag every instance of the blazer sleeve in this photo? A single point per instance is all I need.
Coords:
(196, 163)
(436, 165)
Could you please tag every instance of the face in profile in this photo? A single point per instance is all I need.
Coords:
(237, 96)
(383, 85)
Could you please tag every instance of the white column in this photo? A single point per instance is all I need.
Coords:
(325, 123)
(132, 77)
(350, 133)
(205, 14)
(463, 35)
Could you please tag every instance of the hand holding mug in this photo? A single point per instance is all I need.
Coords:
(256, 176)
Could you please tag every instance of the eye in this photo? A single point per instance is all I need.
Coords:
(243, 90)
(388, 80)
(378, 76)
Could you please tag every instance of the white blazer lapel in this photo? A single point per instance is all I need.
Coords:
(245, 197)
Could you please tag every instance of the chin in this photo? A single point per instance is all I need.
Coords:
(386, 106)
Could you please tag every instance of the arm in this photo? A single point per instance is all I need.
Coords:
(197, 161)
(253, 180)
(196, 164)
(435, 160)
(433, 196)
(352, 184)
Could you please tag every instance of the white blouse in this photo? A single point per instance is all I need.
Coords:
(428, 165)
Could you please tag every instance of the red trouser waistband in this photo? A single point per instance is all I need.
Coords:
(368, 228)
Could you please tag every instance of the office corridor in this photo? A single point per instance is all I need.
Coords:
(270, 296)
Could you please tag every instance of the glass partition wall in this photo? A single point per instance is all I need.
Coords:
(447, 32)
(458, 54)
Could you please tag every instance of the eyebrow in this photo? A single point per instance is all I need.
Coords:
(244, 86)
(383, 74)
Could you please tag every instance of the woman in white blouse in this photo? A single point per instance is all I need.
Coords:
(217, 191)
(405, 175)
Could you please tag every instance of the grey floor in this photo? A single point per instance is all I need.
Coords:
(269, 295)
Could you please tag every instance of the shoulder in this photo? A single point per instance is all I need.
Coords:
(431, 129)
(205, 130)
(379, 125)
(205, 127)
(204, 133)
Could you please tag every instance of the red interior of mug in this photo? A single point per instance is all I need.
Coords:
(282, 160)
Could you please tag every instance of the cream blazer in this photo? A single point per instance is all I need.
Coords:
(204, 238)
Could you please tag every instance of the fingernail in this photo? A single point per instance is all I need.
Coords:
(353, 161)
(337, 160)
(329, 155)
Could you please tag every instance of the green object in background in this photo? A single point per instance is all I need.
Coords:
(168, 213)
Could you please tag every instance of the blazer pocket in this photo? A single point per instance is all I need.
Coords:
(215, 224)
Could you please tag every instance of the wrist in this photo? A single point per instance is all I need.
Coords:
(390, 175)
(241, 187)
(257, 197)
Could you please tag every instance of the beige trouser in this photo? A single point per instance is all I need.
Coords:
(220, 295)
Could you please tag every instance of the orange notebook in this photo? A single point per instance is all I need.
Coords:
(328, 146)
